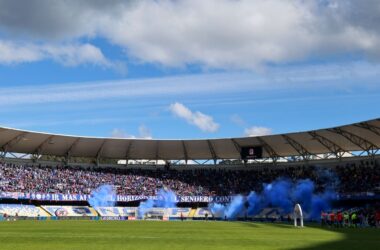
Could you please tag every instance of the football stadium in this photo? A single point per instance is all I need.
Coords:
(190, 124)
(333, 174)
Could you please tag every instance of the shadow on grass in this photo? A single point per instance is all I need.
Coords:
(351, 238)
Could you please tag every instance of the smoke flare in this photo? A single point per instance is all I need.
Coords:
(103, 196)
(166, 198)
(281, 193)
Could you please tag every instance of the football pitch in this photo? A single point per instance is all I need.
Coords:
(179, 235)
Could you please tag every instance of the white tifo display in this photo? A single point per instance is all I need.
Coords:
(70, 211)
(177, 212)
(129, 212)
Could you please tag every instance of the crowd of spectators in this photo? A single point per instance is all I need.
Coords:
(355, 177)
(355, 217)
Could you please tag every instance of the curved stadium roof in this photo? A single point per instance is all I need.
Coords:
(362, 136)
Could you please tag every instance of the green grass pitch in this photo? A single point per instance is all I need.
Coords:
(179, 235)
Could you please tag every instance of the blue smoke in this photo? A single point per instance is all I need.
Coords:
(103, 196)
(235, 207)
(144, 207)
(282, 193)
(313, 204)
(255, 204)
(166, 198)
(303, 194)
(229, 211)
(278, 194)
(217, 209)
(321, 202)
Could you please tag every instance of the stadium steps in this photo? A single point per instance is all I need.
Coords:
(46, 211)
(93, 210)
(192, 213)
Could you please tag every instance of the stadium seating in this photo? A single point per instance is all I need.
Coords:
(201, 182)
(116, 211)
(349, 178)
(22, 210)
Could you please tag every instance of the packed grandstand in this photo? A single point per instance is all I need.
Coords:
(37, 188)
(353, 177)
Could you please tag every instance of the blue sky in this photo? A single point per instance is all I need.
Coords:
(187, 69)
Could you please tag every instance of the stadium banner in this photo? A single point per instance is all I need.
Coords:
(119, 198)
(130, 198)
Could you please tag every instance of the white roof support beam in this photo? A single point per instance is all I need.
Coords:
(70, 149)
(100, 150)
(237, 147)
(212, 151)
(185, 154)
(6, 147)
(362, 143)
(269, 149)
(39, 150)
(128, 151)
(157, 151)
(327, 143)
(372, 128)
(298, 147)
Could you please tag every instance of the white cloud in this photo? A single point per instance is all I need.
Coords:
(217, 34)
(12, 53)
(348, 76)
(226, 34)
(257, 131)
(244, 34)
(236, 119)
(202, 121)
(73, 55)
(66, 54)
(144, 133)
(120, 133)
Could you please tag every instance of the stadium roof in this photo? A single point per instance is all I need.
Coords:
(362, 136)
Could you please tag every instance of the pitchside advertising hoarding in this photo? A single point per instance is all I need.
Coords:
(119, 198)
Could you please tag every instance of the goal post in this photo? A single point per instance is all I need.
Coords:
(153, 214)
(298, 216)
